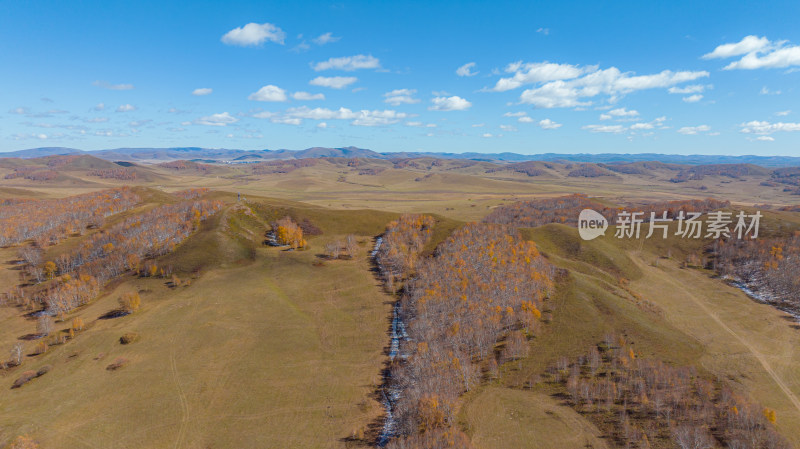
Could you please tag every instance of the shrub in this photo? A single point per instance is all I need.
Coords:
(118, 363)
(26, 377)
(23, 442)
(128, 338)
(44, 370)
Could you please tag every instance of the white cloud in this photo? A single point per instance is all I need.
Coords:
(749, 44)
(465, 70)
(530, 73)
(454, 103)
(334, 82)
(690, 89)
(623, 112)
(268, 93)
(759, 52)
(508, 128)
(549, 124)
(326, 38)
(487, 135)
(605, 117)
(637, 126)
(322, 125)
(692, 98)
(359, 118)
(525, 119)
(107, 85)
(692, 130)
(254, 34)
(401, 96)
(96, 120)
(139, 123)
(349, 63)
(478, 125)
(222, 119)
(515, 114)
(305, 96)
(126, 108)
(19, 111)
(765, 138)
(544, 31)
(202, 91)
(613, 129)
(783, 113)
(763, 127)
(765, 91)
(610, 82)
(99, 107)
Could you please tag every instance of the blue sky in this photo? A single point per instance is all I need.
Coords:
(527, 77)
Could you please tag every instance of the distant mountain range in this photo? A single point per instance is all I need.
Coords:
(222, 155)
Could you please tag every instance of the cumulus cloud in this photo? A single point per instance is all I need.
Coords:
(254, 34)
(508, 128)
(326, 38)
(638, 126)
(139, 123)
(537, 72)
(783, 113)
(334, 82)
(322, 125)
(349, 63)
(613, 129)
(466, 70)
(202, 91)
(268, 93)
(99, 107)
(358, 118)
(107, 85)
(765, 138)
(305, 96)
(690, 89)
(692, 130)
(515, 114)
(126, 108)
(764, 127)
(525, 119)
(222, 119)
(454, 103)
(623, 112)
(692, 98)
(749, 44)
(759, 52)
(19, 111)
(549, 124)
(401, 96)
(576, 86)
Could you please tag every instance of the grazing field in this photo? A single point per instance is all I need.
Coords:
(242, 344)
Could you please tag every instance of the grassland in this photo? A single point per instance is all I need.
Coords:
(273, 348)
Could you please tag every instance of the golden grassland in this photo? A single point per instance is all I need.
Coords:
(271, 348)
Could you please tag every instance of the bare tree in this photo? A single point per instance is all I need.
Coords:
(333, 249)
(45, 325)
(350, 245)
(16, 354)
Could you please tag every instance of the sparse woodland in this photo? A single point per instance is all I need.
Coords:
(484, 284)
(47, 222)
(644, 403)
(402, 244)
(768, 267)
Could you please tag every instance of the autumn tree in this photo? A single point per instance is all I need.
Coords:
(288, 233)
(130, 302)
(350, 245)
